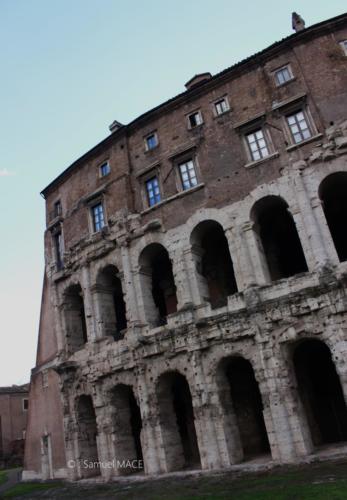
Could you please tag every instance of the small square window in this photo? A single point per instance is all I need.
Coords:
(188, 174)
(343, 45)
(25, 404)
(221, 106)
(98, 217)
(298, 126)
(57, 209)
(104, 169)
(257, 145)
(283, 75)
(153, 191)
(195, 119)
(151, 141)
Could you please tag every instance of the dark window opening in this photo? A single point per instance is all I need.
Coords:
(248, 407)
(279, 238)
(111, 302)
(213, 262)
(158, 280)
(57, 208)
(58, 250)
(320, 391)
(76, 328)
(177, 421)
(87, 432)
(333, 193)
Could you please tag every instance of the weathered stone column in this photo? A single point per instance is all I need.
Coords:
(88, 304)
(183, 291)
(130, 295)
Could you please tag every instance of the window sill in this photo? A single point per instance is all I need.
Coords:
(196, 127)
(173, 197)
(280, 85)
(150, 150)
(226, 112)
(307, 141)
(262, 160)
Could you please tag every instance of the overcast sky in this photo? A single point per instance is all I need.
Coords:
(68, 69)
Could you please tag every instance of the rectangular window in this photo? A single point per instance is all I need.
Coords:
(151, 141)
(25, 404)
(153, 191)
(58, 249)
(343, 45)
(104, 169)
(57, 209)
(257, 145)
(195, 119)
(298, 126)
(221, 106)
(283, 75)
(188, 174)
(98, 217)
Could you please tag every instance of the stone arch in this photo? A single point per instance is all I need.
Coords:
(320, 391)
(241, 401)
(74, 317)
(277, 237)
(333, 195)
(110, 305)
(213, 263)
(127, 425)
(87, 435)
(157, 283)
(177, 424)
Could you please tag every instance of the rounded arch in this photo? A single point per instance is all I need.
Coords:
(177, 421)
(333, 194)
(277, 237)
(74, 316)
(320, 391)
(158, 284)
(243, 407)
(215, 270)
(111, 308)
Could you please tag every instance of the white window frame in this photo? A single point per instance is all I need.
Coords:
(101, 167)
(343, 45)
(200, 119)
(308, 120)
(218, 101)
(185, 162)
(279, 70)
(91, 207)
(152, 134)
(265, 137)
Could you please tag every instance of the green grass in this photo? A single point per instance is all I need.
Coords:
(25, 488)
(3, 477)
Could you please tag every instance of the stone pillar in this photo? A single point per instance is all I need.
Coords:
(339, 356)
(183, 291)
(254, 265)
(326, 238)
(59, 323)
(130, 295)
(88, 304)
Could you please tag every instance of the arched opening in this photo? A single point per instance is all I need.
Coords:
(75, 321)
(158, 284)
(333, 194)
(110, 301)
(127, 425)
(243, 407)
(177, 422)
(213, 263)
(320, 391)
(278, 238)
(87, 432)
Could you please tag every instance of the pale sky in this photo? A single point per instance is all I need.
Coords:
(68, 69)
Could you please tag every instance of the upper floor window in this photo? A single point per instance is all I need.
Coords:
(195, 119)
(153, 191)
(98, 217)
(104, 169)
(283, 75)
(221, 106)
(25, 404)
(151, 141)
(257, 144)
(343, 45)
(299, 126)
(57, 209)
(188, 174)
(58, 250)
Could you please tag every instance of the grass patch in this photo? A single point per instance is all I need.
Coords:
(3, 477)
(25, 488)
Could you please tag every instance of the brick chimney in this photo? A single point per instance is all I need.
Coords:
(298, 24)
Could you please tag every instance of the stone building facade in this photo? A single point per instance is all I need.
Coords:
(194, 306)
(14, 403)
